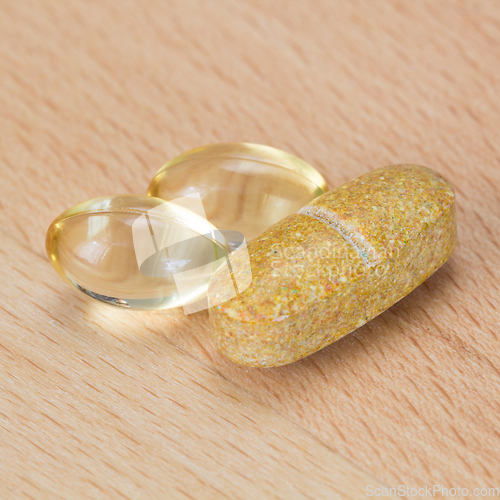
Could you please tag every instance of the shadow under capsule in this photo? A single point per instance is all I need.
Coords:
(185, 330)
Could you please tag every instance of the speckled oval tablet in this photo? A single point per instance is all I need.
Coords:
(343, 259)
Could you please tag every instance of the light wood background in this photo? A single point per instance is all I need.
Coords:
(95, 95)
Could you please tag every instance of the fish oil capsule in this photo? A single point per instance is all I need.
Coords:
(343, 259)
(135, 251)
(243, 187)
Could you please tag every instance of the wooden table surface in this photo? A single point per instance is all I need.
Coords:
(102, 403)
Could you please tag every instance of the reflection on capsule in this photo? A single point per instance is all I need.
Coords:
(243, 187)
(128, 251)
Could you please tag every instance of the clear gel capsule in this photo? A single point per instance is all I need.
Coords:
(136, 251)
(243, 187)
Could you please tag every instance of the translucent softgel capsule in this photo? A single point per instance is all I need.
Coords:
(339, 262)
(136, 251)
(244, 187)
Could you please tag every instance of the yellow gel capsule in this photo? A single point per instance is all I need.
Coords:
(340, 261)
(135, 251)
(243, 187)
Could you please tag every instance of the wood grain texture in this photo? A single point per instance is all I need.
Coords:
(95, 97)
(118, 411)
